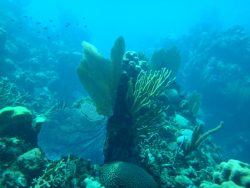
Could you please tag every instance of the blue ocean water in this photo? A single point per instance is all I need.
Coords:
(40, 49)
(142, 23)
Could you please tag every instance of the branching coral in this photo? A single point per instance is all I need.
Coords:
(9, 94)
(142, 99)
(56, 174)
(67, 172)
(100, 76)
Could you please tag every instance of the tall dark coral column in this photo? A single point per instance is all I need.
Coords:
(120, 139)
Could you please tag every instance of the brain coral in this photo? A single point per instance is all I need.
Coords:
(126, 175)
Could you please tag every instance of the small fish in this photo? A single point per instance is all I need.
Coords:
(25, 16)
(38, 32)
(12, 20)
(45, 28)
(38, 23)
(51, 20)
(48, 37)
(85, 26)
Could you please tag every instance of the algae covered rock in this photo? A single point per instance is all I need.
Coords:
(17, 122)
(15, 116)
(14, 121)
(31, 162)
(13, 178)
(11, 148)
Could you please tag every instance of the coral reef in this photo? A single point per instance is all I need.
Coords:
(20, 159)
(146, 126)
(17, 121)
(23, 164)
(67, 172)
(151, 126)
(163, 155)
(217, 67)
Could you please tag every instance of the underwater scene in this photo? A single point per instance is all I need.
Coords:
(124, 94)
